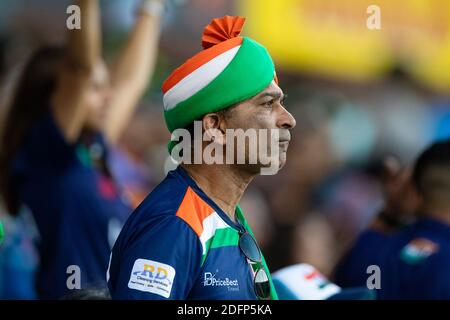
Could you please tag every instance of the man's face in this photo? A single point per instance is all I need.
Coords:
(263, 111)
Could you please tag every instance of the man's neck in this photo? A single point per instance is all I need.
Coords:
(224, 184)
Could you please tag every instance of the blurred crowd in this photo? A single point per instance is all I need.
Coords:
(313, 210)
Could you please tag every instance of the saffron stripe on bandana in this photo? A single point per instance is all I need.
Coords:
(198, 79)
(197, 61)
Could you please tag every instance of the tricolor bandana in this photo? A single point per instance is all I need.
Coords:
(418, 250)
(229, 70)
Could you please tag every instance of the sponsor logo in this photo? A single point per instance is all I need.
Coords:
(210, 280)
(418, 250)
(152, 276)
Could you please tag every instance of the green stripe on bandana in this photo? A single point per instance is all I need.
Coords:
(249, 73)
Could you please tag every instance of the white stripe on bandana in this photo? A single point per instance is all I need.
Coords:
(198, 79)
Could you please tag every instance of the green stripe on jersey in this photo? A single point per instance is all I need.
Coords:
(222, 238)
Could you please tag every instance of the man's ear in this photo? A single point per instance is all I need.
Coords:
(214, 128)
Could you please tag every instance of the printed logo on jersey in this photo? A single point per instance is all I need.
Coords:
(210, 280)
(418, 250)
(152, 276)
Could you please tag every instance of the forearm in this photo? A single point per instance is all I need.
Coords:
(83, 46)
(132, 72)
(135, 63)
(82, 54)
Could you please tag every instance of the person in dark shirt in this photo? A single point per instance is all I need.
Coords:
(66, 111)
(414, 260)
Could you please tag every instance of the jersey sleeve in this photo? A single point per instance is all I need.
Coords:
(161, 261)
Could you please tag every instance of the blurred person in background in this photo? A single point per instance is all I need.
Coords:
(66, 110)
(414, 257)
(18, 256)
(258, 216)
(314, 243)
(138, 162)
(399, 210)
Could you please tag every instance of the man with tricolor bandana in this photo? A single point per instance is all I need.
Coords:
(189, 238)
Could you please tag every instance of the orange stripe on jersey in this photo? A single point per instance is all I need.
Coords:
(198, 60)
(194, 210)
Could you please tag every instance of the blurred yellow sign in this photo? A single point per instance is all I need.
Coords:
(331, 37)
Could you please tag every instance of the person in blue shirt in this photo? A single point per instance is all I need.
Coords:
(67, 109)
(414, 259)
(18, 256)
(189, 238)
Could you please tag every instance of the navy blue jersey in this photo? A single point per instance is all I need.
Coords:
(178, 244)
(368, 250)
(78, 210)
(414, 262)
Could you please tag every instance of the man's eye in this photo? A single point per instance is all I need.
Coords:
(269, 104)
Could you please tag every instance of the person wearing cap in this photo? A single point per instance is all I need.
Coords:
(189, 238)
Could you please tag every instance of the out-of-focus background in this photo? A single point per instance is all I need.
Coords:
(358, 95)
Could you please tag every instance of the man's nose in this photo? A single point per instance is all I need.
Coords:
(286, 120)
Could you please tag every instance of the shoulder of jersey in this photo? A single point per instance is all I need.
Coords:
(201, 217)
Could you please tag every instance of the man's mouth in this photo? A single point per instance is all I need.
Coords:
(284, 144)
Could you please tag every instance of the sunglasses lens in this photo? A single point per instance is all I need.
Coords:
(249, 247)
(262, 284)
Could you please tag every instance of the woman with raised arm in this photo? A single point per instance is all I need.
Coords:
(54, 154)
